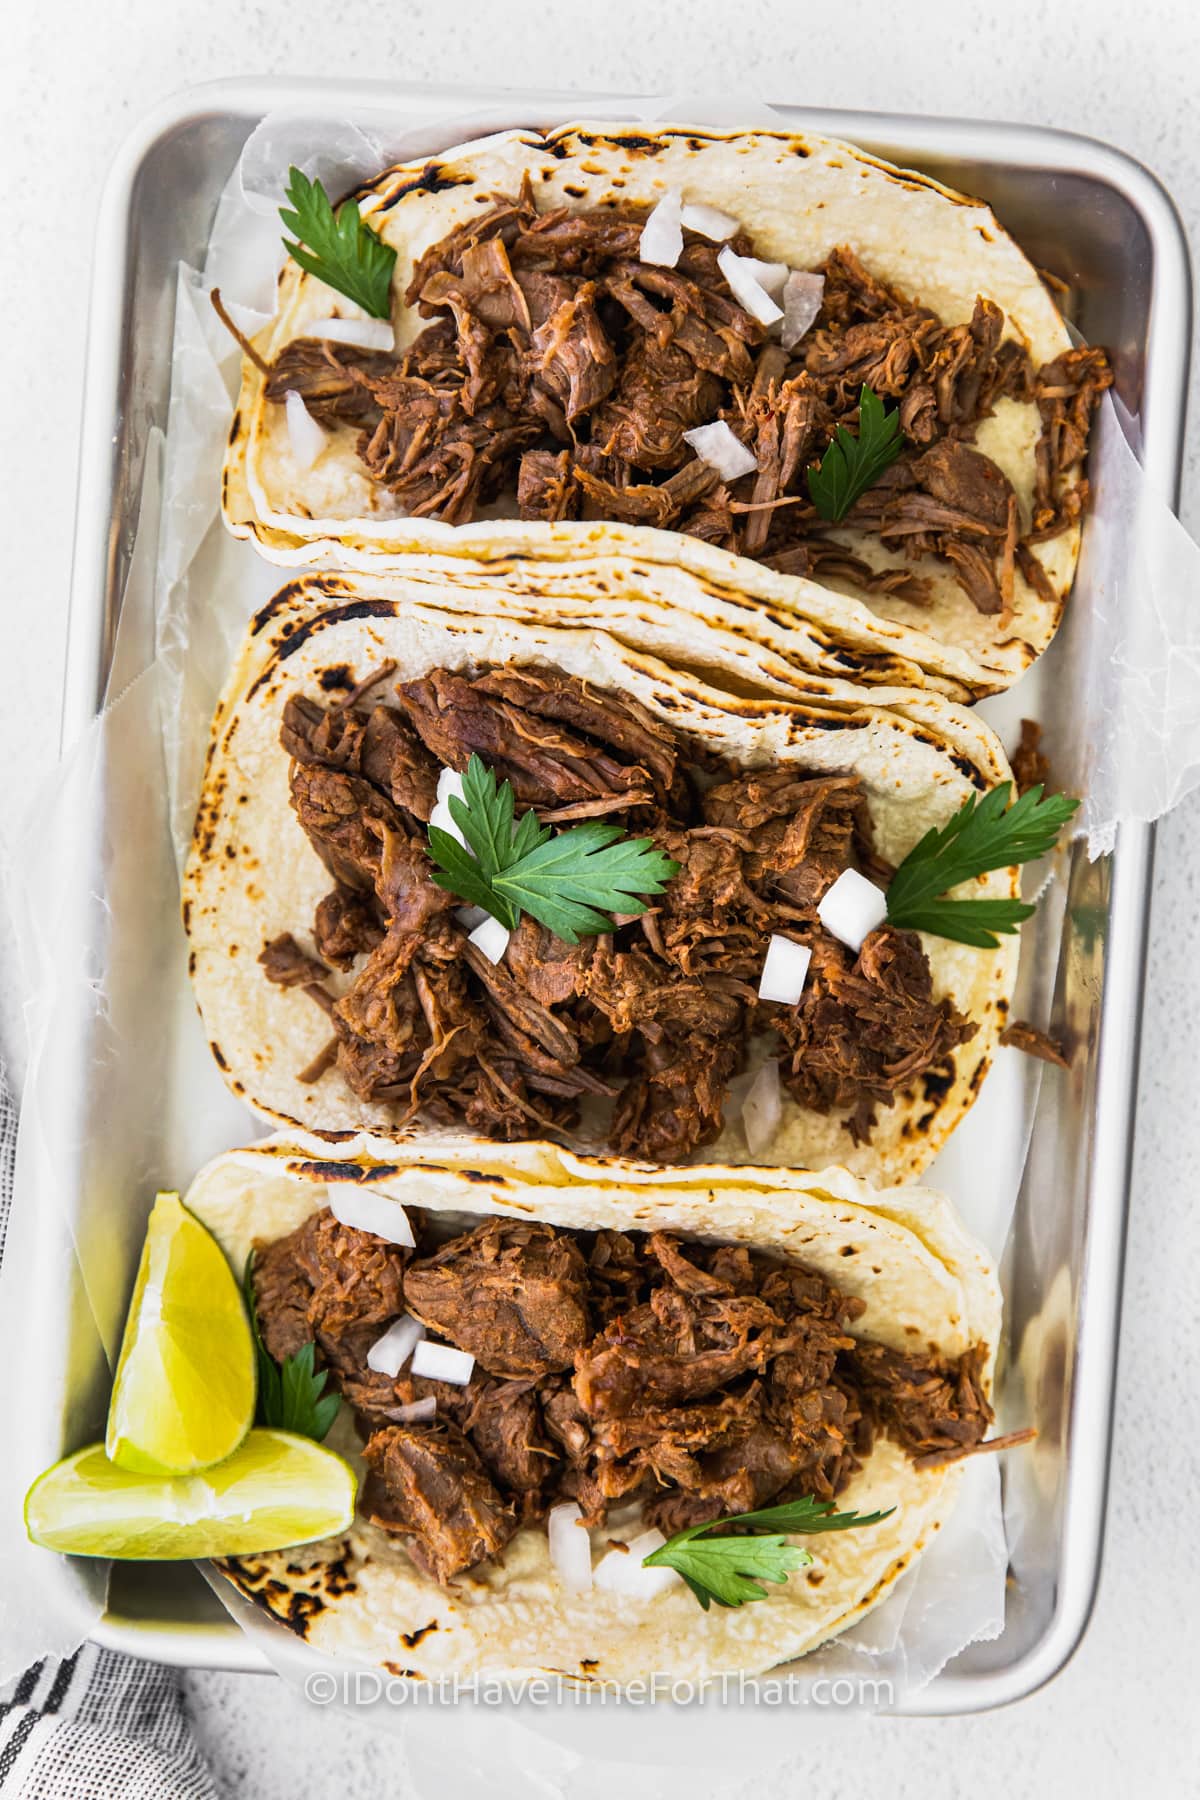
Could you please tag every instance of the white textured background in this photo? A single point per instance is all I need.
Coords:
(74, 75)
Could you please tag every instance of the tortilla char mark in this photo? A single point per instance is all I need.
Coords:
(434, 178)
(301, 1592)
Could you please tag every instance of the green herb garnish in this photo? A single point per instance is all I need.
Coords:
(337, 247)
(730, 1570)
(853, 464)
(571, 882)
(984, 834)
(291, 1394)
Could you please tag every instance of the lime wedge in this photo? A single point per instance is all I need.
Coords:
(184, 1391)
(274, 1491)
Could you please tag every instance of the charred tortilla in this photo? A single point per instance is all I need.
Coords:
(277, 821)
(914, 1283)
(927, 298)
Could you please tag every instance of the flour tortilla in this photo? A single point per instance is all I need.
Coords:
(252, 873)
(924, 1281)
(799, 196)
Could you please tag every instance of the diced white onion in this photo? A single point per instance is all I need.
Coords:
(770, 276)
(621, 1571)
(803, 293)
(440, 816)
(852, 908)
(364, 1210)
(751, 280)
(471, 916)
(306, 437)
(570, 1547)
(388, 1354)
(785, 970)
(661, 241)
(442, 1362)
(415, 1411)
(762, 1108)
(647, 1541)
(718, 446)
(364, 334)
(450, 785)
(708, 221)
(491, 937)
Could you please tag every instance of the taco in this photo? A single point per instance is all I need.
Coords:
(544, 366)
(342, 988)
(640, 1352)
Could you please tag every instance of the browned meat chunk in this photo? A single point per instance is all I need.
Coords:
(570, 355)
(427, 1484)
(1023, 1036)
(330, 1284)
(346, 926)
(866, 1027)
(323, 374)
(504, 1423)
(546, 485)
(926, 1404)
(546, 763)
(288, 966)
(1030, 764)
(512, 1294)
(678, 1103)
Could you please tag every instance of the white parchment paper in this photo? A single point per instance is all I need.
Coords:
(106, 974)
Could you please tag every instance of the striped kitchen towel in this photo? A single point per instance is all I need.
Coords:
(98, 1724)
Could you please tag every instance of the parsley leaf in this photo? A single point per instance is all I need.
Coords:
(571, 882)
(984, 834)
(337, 247)
(291, 1394)
(852, 464)
(731, 1569)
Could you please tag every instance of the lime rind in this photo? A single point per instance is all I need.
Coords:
(185, 1387)
(275, 1491)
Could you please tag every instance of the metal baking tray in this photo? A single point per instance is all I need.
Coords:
(1086, 213)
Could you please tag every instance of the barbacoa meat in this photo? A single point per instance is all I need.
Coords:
(561, 372)
(638, 1032)
(698, 1380)
(513, 1290)
(329, 1284)
(429, 1485)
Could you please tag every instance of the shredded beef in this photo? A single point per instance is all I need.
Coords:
(512, 1294)
(347, 925)
(637, 1032)
(698, 1379)
(1030, 764)
(428, 1485)
(287, 965)
(330, 1284)
(559, 370)
(927, 1404)
(867, 1027)
(324, 376)
(1023, 1036)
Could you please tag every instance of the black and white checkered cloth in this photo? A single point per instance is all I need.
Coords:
(95, 1724)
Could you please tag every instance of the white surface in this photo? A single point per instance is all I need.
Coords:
(73, 77)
